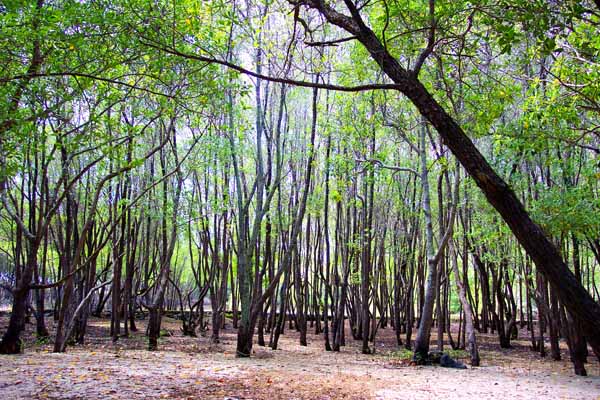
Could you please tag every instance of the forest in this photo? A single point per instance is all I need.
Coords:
(299, 199)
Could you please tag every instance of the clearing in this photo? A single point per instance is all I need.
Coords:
(193, 368)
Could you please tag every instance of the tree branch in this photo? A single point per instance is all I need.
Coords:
(30, 76)
(395, 168)
(240, 69)
(334, 42)
(430, 40)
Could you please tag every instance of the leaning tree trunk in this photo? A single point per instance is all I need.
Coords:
(530, 235)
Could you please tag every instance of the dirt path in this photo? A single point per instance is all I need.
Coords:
(192, 368)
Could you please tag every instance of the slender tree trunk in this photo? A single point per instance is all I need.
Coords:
(431, 285)
(471, 339)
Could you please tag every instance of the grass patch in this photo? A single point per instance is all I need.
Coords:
(42, 340)
(401, 354)
(458, 353)
(164, 332)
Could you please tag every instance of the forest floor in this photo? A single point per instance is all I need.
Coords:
(193, 368)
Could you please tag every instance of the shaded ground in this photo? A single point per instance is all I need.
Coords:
(192, 368)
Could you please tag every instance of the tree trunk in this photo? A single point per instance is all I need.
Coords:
(467, 310)
(153, 327)
(432, 284)
(11, 341)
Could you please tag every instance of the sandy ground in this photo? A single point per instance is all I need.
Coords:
(192, 368)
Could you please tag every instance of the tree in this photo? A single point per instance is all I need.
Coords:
(577, 300)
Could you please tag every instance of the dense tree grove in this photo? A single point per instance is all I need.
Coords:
(340, 166)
